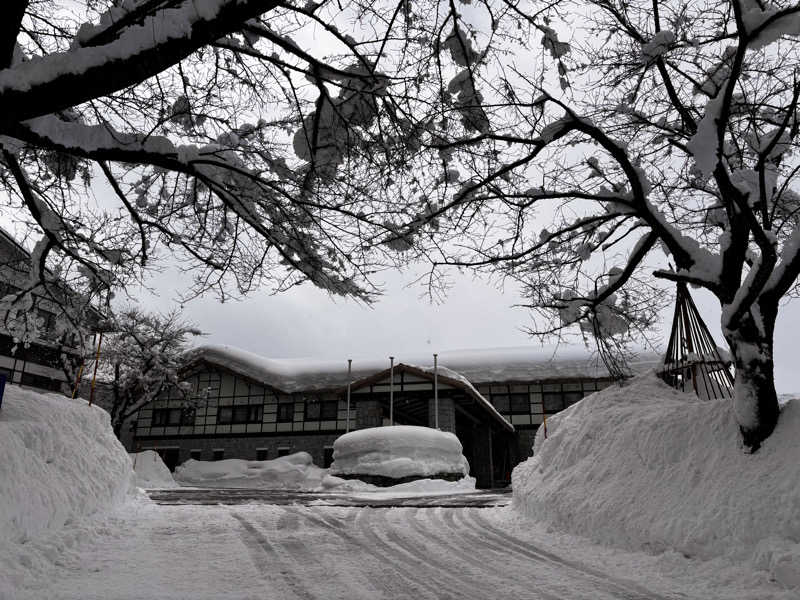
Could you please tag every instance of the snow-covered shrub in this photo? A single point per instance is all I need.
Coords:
(398, 452)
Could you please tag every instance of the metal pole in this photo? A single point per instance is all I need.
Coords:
(391, 390)
(96, 362)
(349, 371)
(436, 390)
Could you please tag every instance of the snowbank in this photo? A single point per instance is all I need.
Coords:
(59, 463)
(151, 472)
(295, 471)
(354, 488)
(648, 468)
(398, 451)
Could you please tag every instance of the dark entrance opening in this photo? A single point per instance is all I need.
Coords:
(328, 458)
(170, 456)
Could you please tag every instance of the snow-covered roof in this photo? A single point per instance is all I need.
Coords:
(475, 366)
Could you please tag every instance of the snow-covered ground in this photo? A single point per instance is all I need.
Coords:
(648, 468)
(285, 552)
(398, 451)
(74, 527)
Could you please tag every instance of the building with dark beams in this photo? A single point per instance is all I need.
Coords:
(245, 406)
(44, 361)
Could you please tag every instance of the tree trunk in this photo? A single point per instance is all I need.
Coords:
(755, 402)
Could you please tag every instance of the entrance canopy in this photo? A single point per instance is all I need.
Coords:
(413, 391)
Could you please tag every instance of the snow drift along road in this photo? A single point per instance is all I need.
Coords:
(295, 471)
(646, 467)
(59, 463)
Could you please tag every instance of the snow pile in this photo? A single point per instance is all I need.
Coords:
(295, 471)
(410, 489)
(151, 472)
(59, 463)
(398, 451)
(648, 468)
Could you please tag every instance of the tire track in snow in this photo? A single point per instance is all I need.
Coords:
(338, 526)
(629, 589)
(268, 561)
(315, 560)
(475, 550)
(420, 565)
(399, 580)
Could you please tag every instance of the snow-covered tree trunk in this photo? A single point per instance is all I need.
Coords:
(755, 400)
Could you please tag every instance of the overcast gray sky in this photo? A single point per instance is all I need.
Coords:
(307, 322)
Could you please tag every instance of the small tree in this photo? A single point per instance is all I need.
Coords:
(142, 357)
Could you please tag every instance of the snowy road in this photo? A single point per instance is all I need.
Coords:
(271, 552)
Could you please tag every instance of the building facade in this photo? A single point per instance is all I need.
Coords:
(44, 361)
(249, 407)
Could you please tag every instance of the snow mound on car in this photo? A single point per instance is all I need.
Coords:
(648, 468)
(397, 452)
(151, 472)
(295, 471)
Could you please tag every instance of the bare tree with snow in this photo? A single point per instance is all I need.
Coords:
(133, 130)
(142, 358)
(657, 140)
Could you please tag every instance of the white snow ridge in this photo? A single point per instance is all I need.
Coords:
(645, 467)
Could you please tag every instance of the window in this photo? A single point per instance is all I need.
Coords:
(262, 453)
(520, 404)
(501, 403)
(571, 398)
(41, 382)
(172, 417)
(517, 403)
(283, 451)
(218, 454)
(326, 410)
(227, 415)
(285, 412)
(195, 454)
(553, 402)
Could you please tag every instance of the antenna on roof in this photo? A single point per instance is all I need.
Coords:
(693, 361)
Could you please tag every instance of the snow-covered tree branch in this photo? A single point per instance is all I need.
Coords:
(656, 140)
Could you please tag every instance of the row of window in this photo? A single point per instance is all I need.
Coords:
(326, 410)
(524, 399)
(261, 454)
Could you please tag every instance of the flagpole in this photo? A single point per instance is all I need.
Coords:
(349, 372)
(391, 390)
